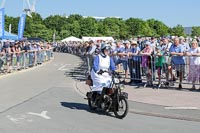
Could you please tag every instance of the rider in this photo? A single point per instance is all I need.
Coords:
(100, 70)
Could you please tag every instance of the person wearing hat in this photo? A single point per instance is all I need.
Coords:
(102, 64)
(135, 63)
(123, 57)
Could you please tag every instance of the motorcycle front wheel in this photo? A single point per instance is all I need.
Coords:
(121, 108)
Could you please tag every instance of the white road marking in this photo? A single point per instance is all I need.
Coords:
(184, 108)
(17, 118)
(62, 68)
(43, 114)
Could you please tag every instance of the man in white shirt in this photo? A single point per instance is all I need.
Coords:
(185, 45)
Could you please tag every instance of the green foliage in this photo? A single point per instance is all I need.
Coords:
(76, 25)
(88, 27)
(178, 31)
(14, 24)
(196, 31)
(158, 27)
(138, 27)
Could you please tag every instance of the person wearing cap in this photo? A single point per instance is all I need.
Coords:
(123, 54)
(146, 61)
(194, 65)
(102, 64)
(140, 43)
(178, 60)
(165, 46)
(135, 63)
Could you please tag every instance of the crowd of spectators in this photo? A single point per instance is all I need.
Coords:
(143, 56)
(16, 55)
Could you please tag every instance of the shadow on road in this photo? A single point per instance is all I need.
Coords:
(81, 106)
(79, 72)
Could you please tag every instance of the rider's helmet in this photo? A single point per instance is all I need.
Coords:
(105, 46)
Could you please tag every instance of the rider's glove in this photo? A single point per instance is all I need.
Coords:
(100, 72)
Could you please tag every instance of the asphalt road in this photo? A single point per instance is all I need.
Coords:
(45, 100)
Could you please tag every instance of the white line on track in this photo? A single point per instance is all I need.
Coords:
(181, 108)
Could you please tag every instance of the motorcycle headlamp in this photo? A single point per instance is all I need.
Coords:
(121, 86)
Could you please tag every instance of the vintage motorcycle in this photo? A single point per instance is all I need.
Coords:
(111, 99)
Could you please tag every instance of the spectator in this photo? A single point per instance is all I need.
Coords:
(194, 64)
(177, 52)
(18, 54)
(135, 70)
(91, 54)
(124, 57)
(115, 53)
(26, 54)
(7, 51)
(167, 60)
(185, 45)
(146, 62)
(159, 63)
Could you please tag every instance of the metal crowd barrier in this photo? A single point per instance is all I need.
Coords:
(159, 75)
(187, 72)
(22, 60)
(143, 69)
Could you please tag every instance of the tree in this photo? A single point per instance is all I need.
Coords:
(88, 26)
(177, 31)
(74, 17)
(36, 18)
(158, 27)
(123, 33)
(14, 22)
(111, 27)
(55, 22)
(71, 29)
(39, 30)
(196, 31)
(138, 27)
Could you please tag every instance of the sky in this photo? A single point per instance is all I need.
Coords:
(171, 12)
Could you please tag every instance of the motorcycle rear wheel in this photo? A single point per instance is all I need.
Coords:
(91, 104)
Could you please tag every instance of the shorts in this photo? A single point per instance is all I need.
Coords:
(124, 63)
(179, 68)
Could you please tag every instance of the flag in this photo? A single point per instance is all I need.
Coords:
(2, 22)
(21, 26)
